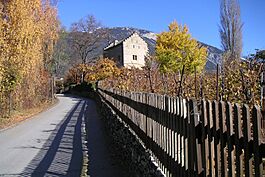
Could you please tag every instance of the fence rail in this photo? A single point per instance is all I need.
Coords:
(190, 138)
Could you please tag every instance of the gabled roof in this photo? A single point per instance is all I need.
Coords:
(115, 43)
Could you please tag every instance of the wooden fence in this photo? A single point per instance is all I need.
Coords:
(191, 138)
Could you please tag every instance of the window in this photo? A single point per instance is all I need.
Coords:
(134, 57)
(133, 46)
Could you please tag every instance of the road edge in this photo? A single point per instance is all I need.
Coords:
(27, 118)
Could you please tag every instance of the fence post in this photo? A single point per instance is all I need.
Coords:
(230, 132)
(238, 136)
(209, 126)
(194, 156)
(256, 116)
(247, 138)
(216, 128)
(222, 139)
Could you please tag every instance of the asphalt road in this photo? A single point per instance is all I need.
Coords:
(53, 142)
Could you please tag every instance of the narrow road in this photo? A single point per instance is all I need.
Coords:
(52, 143)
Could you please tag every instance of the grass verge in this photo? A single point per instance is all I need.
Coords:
(20, 116)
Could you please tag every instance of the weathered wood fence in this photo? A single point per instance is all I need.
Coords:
(191, 138)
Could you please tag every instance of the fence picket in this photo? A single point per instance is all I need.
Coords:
(247, 138)
(203, 138)
(188, 139)
(229, 124)
(238, 135)
(209, 137)
(223, 139)
(256, 116)
(216, 128)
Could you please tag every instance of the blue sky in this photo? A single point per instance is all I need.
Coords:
(201, 16)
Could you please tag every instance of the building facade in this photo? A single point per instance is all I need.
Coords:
(130, 52)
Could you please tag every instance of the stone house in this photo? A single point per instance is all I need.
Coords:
(130, 52)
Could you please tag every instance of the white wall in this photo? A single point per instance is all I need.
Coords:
(134, 45)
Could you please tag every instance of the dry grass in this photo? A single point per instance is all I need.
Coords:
(20, 116)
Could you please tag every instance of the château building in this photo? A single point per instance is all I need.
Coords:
(130, 52)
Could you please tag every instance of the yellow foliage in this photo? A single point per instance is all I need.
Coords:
(105, 68)
(176, 48)
(28, 31)
(102, 69)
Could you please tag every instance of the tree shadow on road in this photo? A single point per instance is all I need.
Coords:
(62, 153)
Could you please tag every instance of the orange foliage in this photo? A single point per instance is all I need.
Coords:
(102, 69)
(27, 34)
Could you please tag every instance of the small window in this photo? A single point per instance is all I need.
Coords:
(133, 46)
(138, 47)
(134, 57)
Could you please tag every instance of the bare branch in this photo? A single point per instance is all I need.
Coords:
(231, 28)
(86, 36)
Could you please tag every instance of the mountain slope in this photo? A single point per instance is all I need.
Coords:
(119, 33)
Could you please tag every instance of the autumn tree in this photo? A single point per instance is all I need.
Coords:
(50, 32)
(86, 36)
(231, 28)
(28, 31)
(105, 68)
(150, 68)
(78, 71)
(102, 69)
(176, 50)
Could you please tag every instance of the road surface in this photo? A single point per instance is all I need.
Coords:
(53, 143)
